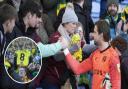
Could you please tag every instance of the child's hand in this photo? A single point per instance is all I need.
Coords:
(64, 42)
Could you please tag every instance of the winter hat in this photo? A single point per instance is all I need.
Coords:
(69, 15)
(110, 2)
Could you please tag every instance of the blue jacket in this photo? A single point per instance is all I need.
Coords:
(50, 49)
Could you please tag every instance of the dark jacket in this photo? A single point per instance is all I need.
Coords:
(83, 17)
(48, 24)
(5, 81)
(55, 69)
(15, 33)
(45, 29)
(88, 6)
(49, 7)
(124, 70)
(2, 48)
(2, 40)
(124, 35)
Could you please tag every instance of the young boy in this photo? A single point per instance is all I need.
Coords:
(7, 22)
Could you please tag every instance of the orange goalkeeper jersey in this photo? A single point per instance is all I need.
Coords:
(101, 63)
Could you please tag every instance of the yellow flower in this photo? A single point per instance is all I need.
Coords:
(78, 55)
(124, 13)
(75, 40)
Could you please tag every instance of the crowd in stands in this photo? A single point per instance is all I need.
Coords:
(77, 53)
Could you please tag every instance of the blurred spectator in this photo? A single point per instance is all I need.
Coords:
(121, 46)
(124, 32)
(122, 26)
(88, 6)
(47, 23)
(49, 7)
(2, 2)
(83, 16)
(8, 16)
(112, 17)
(14, 3)
(103, 7)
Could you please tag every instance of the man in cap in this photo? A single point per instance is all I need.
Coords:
(112, 16)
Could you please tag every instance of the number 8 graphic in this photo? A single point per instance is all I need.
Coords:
(22, 57)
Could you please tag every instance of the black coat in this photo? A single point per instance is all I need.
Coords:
(124, 70)
(15, 33)
(2, 40)
(85, 18)
(5, 81)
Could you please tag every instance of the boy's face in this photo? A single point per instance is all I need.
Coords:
(33, 20)
(10, 26)
(39, 21)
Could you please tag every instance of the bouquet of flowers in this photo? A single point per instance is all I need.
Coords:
(75, 39)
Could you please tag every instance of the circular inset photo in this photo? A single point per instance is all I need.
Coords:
(22, 60)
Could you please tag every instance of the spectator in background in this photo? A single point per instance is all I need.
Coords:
(103, 7)
(83, 17)
(14, 3)
(2, 2)
(8, 16)
(49, 8)
(121, 47)
(112, 17)
(29, 16)
(46, 27)
(29, 21)
(124, 32)
(22, 25)
(88, 6)
(122, 26)
(52, 8)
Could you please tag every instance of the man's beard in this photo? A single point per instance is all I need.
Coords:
(113, 12)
